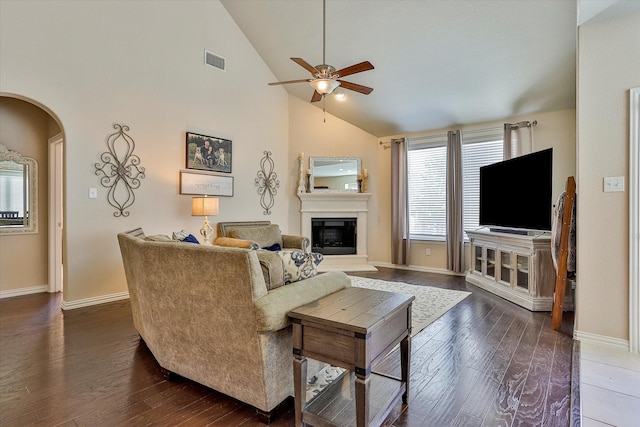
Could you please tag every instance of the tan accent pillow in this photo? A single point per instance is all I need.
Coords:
(235, 243)
(263, 236)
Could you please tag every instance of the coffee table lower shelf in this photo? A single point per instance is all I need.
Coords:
(335, 405)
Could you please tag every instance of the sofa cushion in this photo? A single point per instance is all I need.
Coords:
(272, 269)
(263, 236)
(159, 238)
(299, 265)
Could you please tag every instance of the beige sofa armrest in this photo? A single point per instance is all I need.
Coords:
(273, 308)
(298, 242)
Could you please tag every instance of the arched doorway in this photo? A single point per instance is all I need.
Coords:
(31, 127)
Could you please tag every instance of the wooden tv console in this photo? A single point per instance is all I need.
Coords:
(516, 267)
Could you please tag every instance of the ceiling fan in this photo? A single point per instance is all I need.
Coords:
(325, 77)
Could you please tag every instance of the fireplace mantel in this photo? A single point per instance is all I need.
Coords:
(338, 204)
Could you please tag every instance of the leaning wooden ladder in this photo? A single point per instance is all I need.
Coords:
(561, 277)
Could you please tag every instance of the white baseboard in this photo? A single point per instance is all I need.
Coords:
(603, 340)
(24, 291)
(70, 305)
(417, 268)
(65, 305)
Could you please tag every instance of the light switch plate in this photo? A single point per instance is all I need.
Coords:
(93, 193)
(613, 184)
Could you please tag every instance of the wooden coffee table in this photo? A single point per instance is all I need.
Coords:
(354, 329)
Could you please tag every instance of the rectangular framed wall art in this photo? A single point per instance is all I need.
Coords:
(199, 183)
(208, 153)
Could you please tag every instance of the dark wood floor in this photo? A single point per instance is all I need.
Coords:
(486, 362)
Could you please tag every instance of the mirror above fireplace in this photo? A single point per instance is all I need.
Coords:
(334, 174)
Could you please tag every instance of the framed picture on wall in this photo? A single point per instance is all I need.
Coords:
(201, 183)
(208, 153)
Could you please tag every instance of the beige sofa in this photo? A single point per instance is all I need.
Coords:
(206, 314)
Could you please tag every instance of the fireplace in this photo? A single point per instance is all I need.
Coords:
(334, 236)
(341, 206)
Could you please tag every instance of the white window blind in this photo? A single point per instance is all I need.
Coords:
(475, 154)
(427, 161)
(427, 166)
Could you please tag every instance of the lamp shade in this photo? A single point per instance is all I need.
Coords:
(324, 86)
(204, 206)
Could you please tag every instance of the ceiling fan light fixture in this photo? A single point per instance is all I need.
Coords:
(339, 94)
(324, 86)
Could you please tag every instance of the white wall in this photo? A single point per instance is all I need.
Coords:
(608, 66)
(140, 63)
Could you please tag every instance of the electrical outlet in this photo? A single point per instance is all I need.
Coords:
(427, 251)
(613, 184)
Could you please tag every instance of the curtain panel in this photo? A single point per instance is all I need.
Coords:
(518, 139)
(400, 241)
(455, 233)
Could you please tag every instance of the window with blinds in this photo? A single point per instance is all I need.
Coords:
(427, 166)
(475, 154)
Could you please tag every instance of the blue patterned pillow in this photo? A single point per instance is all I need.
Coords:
(299, 265)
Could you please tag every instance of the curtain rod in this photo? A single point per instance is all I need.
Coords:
(387, 144)
(526, 123)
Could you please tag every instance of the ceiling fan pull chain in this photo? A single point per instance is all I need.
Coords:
(324, 110)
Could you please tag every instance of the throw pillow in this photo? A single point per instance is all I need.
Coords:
(274, 247)
(263, 236)
(191, 239)
(235, 243)
(299, 265)
(183, 236)
(180, 235)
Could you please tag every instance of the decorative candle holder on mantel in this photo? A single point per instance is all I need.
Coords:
(365, 176)
(362, 182)
(303, 186)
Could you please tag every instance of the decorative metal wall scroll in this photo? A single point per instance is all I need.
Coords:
(120, 169)
(267, 183)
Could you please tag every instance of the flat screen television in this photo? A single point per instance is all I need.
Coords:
(515, 195)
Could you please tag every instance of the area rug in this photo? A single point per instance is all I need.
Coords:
(430, 303)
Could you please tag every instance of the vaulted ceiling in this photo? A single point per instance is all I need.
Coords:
(437, 63)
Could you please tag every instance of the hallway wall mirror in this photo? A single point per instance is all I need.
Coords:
(18, 193)
(331, 174)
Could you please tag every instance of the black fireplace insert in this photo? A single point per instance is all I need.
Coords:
(334, 236)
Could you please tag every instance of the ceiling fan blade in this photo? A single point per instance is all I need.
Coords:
(304, 64)
(289, 81)
(356, 87)
(357, 68)
(316, 96)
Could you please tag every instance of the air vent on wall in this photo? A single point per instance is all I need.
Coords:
(214, 60)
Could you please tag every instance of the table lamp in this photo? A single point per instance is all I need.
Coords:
(205, 206)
